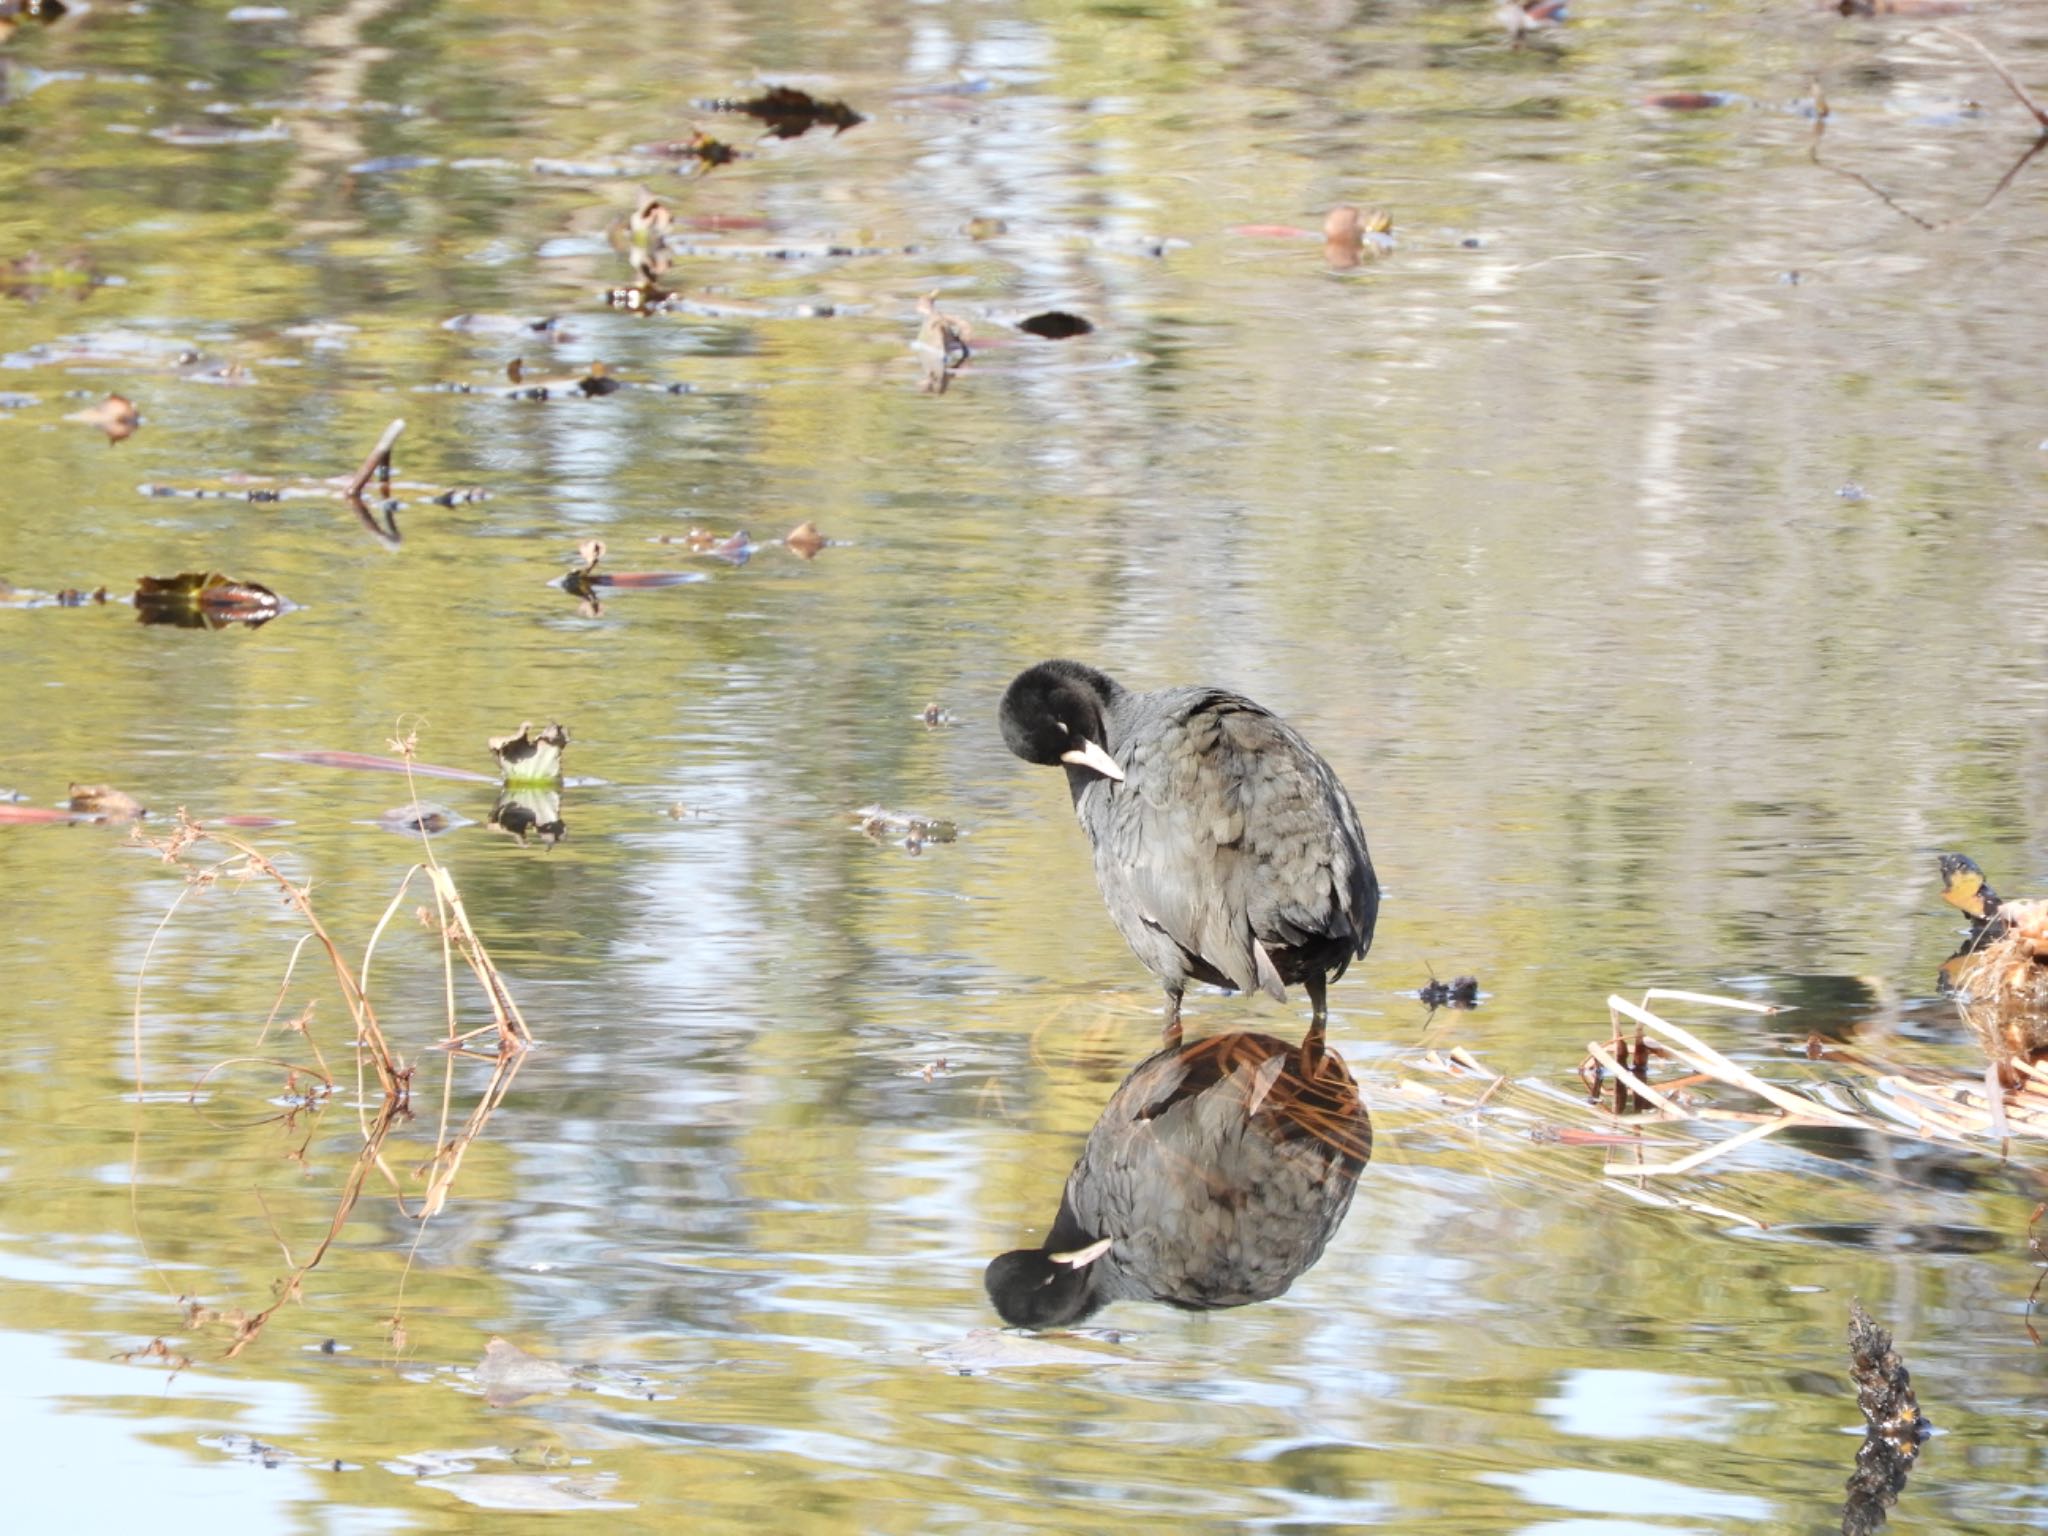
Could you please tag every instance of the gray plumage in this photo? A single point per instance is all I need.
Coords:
(1214, 1178)
(1225, 848)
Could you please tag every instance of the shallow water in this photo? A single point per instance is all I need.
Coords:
(1650, 542)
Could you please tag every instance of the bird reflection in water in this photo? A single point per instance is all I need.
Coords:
(1214, 1178)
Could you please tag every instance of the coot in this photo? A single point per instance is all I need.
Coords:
(1226, 850)
(1213, 1179)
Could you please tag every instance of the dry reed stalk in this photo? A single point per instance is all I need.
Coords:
(394, 1076)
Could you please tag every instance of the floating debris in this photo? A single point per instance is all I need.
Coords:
(205, 600)
(379, 464)
(935, 718)
(790, 113)
(1899, 7)
(114, 416)
(528, 758)
(1694, 101)
(699, 146)
(103, 802)
(12, 596)
(1349, 234)
(1895, 1426)
(584, 582)
(735, 549)
(17, 815)
(422, 816)
(1458, 992)
(596, 381)
(1055, 325)
(804, 541)
(908, 832)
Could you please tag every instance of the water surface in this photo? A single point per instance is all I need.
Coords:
(1650, 541)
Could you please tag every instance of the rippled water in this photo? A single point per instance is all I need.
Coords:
(1651, 541)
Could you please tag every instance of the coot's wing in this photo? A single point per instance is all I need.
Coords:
(1306, 873)
(1170, 835)
(1229, 829)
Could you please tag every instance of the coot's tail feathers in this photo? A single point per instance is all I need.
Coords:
(1268, 973)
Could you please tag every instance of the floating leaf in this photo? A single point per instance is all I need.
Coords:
(195, 599)
(804, 540)
(105, 802)
(529, 758)
(909, 832)
(14, 814)
(114, 416)
(421, 816)
(790, 113)
(1055, 325)
(1458, 992)
(735, 549)
(585, 582)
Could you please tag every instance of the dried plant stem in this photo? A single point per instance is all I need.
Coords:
(1998, 67)
(375, 1122)
(378, 461)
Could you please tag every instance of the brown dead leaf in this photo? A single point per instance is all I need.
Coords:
(205, 598)
(114, 416)
(105, 802)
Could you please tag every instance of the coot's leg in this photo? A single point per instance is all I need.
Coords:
(1170, 1034)
(1316, 985)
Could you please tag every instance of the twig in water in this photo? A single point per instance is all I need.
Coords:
(1998, 67)
(378, 463)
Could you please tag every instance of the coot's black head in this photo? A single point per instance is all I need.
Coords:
(1032, 1289)
(1057, 713)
